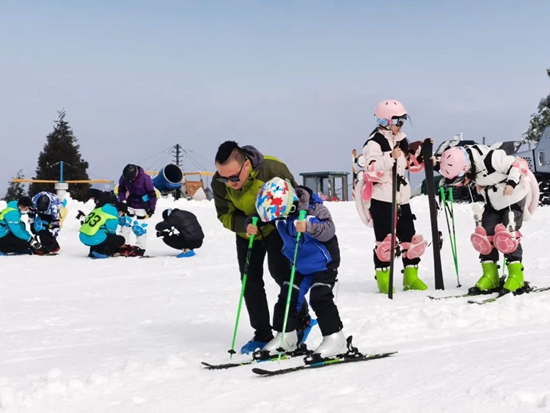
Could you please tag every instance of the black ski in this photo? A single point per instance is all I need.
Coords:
(473, 293)
(454, 296)
(493, 299)
(323, 363)
(427, 150)
(394, 190)
(224, 366)
(258, 358)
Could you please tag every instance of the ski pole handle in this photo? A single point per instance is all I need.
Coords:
(251, 240)
(301, 216)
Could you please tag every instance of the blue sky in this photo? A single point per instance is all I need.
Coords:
(297, 79)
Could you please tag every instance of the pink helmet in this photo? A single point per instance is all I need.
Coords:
(454, 163)
(388, 109)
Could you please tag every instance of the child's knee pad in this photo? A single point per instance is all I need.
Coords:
(415, 248)
(139, 229)
(383, 249)
(481, 242)
(505, 241)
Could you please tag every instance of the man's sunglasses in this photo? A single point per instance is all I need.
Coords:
(232, 178)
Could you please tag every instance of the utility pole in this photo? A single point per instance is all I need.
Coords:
(178, 148)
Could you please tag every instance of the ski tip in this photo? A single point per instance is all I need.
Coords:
(261, 372)
(382, 355)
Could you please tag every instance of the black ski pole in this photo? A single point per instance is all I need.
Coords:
(395, 182)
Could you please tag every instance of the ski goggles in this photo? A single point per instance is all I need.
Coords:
(397, 121)
(461, 180)
(232, 178)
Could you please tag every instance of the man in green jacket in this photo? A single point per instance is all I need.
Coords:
(241, 171)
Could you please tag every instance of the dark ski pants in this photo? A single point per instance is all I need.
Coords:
(110, 246)
(381, 218)
(254, 294)
(178, 242)
(48, 241)
(321, 299)
(489, 221)
(12, 244)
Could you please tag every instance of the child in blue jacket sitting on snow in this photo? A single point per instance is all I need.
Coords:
(317, 264)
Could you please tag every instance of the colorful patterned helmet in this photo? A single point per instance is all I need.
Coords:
(275, 199)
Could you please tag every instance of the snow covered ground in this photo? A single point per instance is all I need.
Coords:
(128, 335)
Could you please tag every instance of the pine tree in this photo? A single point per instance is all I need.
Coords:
(16, 189)
(539, 120)
(61, 146)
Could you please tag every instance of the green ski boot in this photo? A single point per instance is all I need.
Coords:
(515, 276)
(411, 280)
(383, 280)
(490, 279)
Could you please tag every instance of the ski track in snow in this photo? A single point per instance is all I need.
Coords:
(128, 335)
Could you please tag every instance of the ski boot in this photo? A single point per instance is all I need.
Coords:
(411, 280)
(332, 345)
(257, 342)
(98, 255)
(187, 253)
(489, 281)
(289, 344)
(382, 278)
(131, 251)
(514, 282)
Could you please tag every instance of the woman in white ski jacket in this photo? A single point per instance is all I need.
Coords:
(386, 146)
(511, 196)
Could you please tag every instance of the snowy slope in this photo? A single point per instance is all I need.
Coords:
(127, 335)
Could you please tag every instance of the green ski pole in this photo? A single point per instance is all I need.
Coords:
(455, 250)
(301, 217)
(243, 286)
(452, 237)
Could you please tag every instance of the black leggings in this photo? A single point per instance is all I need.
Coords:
(381, 216)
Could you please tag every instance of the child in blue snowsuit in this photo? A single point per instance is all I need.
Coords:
(317, 264)
(45, 221)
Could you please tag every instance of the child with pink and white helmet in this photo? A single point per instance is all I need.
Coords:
(387, 145)
(511, 196)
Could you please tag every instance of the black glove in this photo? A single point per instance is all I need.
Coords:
(149, 212)
(162, 226)
(35, 244)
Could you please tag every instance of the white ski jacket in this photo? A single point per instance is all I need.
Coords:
(492, 170)
(377, 158)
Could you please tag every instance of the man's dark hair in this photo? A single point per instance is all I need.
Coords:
(106, 197)
(25, 201)
(229, 151)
